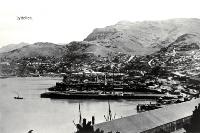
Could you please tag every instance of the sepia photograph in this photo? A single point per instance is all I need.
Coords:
(99, 66)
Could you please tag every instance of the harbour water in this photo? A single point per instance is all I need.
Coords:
(45, 115)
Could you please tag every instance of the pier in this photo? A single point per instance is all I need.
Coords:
(87, 95)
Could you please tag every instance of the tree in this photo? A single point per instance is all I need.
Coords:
(88, 128)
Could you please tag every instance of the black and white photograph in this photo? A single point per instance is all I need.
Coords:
(99, 66)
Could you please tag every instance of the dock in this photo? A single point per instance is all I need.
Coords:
(63, 95)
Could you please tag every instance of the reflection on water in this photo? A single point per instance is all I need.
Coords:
(50, 115)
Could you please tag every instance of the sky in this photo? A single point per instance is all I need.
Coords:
(63, 21)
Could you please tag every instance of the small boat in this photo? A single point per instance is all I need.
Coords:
(18, 97)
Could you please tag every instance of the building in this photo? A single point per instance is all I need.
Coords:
(167, 119)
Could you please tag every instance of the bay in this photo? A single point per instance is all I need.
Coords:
(45, 115)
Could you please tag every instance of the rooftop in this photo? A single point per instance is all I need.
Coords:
(151, 119)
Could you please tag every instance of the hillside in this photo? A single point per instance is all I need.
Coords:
(182, 56)
(134, 38)
(141, 38)
(136, 48)
(37, 49)
(11, 47)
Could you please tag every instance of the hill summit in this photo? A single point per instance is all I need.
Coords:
(140, 38)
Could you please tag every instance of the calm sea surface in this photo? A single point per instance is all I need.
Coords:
(46, 115)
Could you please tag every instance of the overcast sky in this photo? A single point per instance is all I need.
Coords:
(62, 21)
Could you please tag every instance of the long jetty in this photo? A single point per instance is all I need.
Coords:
(61, 95)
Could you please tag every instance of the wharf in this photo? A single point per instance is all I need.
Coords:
(62, 95)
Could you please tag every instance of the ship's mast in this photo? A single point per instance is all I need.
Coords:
(80, 117)
(109, 116)
(109, 112)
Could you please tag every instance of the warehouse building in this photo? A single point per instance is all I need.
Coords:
(164, 120)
